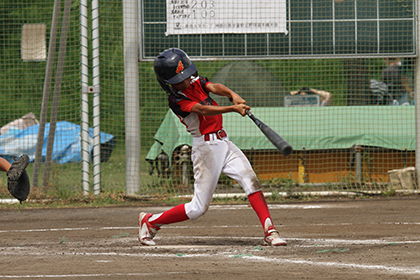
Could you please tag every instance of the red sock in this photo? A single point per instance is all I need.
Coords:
(173, 215)
(259, 204)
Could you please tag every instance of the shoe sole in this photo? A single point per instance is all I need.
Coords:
(21, 165)
(275, 245)
(283, 243)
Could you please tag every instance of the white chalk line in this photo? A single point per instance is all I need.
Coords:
(300, 243)
(390, 269)
(88, 275)
(398, 270)
(331, 242)
(190, 226)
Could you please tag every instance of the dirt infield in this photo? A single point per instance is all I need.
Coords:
(366, 239)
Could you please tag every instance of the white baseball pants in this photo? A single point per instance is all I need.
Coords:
(210, 159)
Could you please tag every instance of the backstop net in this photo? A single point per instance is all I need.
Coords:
(336, 78)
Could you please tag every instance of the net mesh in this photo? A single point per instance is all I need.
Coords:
(342, 51)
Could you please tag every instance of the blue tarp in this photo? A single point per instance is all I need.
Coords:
(67, 143)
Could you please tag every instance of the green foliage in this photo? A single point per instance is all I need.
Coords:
(390, 192)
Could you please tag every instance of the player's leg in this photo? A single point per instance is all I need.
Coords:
(207, 162)
(271, 235)
(4, 165)
(149, 223)
(239, 169)
(207, 159)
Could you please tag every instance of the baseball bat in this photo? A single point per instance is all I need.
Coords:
(278, 141)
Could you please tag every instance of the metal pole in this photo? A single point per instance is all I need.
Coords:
(416, 91)
(132, 50)
(96, 100)
(84, 95)
(46, 92)
(57, 90)
(359, 170)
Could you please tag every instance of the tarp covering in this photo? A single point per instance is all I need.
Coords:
(310, 128)
(67, 143)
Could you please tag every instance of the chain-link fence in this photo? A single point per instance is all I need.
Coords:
(328, 86)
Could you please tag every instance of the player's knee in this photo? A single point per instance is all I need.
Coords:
(197, 211)
(251, 185)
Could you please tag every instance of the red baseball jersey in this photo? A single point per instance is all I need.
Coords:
(182, 102)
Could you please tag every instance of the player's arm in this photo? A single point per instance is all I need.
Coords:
(324, 94)
(210, 110)
(223, 90)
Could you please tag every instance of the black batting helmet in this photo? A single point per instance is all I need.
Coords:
(173, 66)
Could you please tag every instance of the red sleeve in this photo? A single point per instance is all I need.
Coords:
(205, 86)
(186, 105)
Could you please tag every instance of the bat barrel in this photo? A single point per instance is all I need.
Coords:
(286, 149)
(282, 145)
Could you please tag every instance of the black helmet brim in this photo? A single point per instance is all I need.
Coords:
(191, 70)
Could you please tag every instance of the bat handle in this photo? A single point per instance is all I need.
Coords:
(250, 115)
(246, 111)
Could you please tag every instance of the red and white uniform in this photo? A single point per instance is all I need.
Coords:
(211, 155)
(182, 105)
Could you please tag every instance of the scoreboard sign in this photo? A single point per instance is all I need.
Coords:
(223, 17)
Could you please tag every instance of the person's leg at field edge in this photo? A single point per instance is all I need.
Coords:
(4, 165)
(248, 180)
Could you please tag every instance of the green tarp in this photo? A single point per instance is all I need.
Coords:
(310, 128)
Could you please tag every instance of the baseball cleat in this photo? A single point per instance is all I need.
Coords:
(17, 168)
(272, 238)
(146, 230)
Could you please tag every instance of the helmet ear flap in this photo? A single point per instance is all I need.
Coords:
(165, 86)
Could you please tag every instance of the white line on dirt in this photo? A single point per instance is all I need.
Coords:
(45, 229)
(390, 269)
(312, 241)
(86, 275)
(180, 227)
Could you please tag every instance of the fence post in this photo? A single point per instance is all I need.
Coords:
(84, 95)
(46, 91)
(57, 91)
(96, 100)
(417, 94)
(131, 94)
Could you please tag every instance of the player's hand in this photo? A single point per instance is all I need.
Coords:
(236, 99)
(241, 109)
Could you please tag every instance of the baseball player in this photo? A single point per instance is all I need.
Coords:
(212, 151)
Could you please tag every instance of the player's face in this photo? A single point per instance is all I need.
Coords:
(183, 85)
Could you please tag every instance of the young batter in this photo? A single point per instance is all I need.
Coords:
(212, 151)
